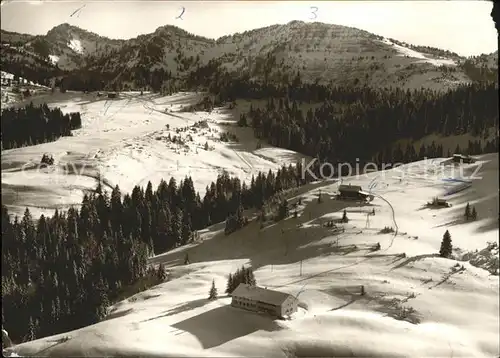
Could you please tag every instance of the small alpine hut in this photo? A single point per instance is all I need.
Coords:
(353, 192)
(258, 299)
(466, 159)
(112, 95)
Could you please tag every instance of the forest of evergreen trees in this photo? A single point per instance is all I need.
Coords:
(59, 273)
(34, 125)
(242, 275)
(368, 124)
(343, 124)
(345, 117)
(30, 67)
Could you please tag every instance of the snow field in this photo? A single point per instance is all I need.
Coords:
(405, 51)
(125, 140)
(414, 306)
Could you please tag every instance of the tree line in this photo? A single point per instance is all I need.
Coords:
(339, 118)
(28, 66)
(369, 128)
(59, 273)
(242, 275)
(34, 125)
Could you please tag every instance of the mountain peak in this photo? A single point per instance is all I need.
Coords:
(67, 29)
(171, 30)
(62, 27)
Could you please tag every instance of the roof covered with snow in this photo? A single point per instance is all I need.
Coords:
(350, 187)
(260, 294)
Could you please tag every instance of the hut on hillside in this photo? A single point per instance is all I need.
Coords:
(352, 192)
(459, 158)
(258, 299)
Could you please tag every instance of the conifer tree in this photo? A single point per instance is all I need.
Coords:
(474, 213)
(32, 329)
(251, 277)
(229, 287)
(247, 278)
(283, 210)
(162, 273)
(212, 295)
(237, 276)
(176, 226)
(446, 246)
(345, 219)
(243, 273)
(240, 218)
(186, 229)
(236, 280)
(467, 213)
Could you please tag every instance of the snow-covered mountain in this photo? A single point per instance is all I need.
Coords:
(329, 53)
(320, 52)
(168, 48)
(69, 46)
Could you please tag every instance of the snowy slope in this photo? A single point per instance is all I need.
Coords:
(70, 46)
(404, 51)
(75, 45)
(126, 140)
(418, 305)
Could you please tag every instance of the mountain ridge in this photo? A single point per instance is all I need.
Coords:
(322, 53)
(65, 24)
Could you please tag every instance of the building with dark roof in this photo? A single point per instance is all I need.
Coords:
(466, 159)
(258, 299)
(352, 192)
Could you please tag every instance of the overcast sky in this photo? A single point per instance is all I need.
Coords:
(464, 27)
